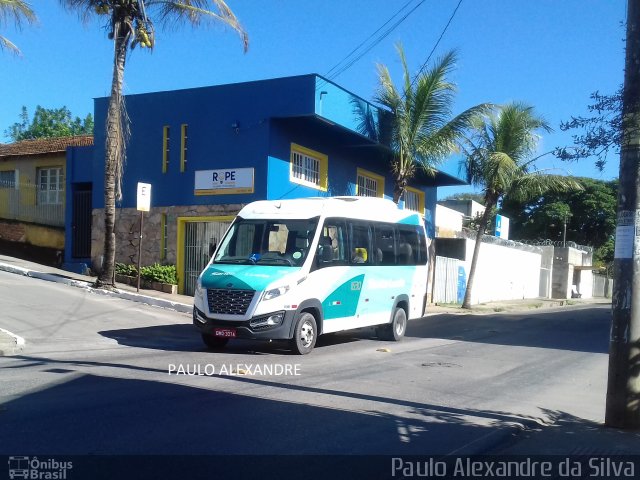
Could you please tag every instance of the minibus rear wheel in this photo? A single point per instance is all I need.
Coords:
(305, 334)
(214, 342)
(396, 329)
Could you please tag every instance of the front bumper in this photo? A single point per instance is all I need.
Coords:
(244, 330)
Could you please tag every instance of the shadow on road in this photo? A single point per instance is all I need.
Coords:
(91, 414)
(580, 329)
(185, 338)
(571, 435)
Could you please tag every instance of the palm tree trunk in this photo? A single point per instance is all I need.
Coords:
(476, 252)
(114, 152)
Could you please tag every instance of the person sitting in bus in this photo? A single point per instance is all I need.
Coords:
(359, 255)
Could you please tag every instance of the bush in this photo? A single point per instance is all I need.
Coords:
(160, 273)
(152, 273)
(127, 270)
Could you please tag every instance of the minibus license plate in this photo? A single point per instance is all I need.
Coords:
(225, 332)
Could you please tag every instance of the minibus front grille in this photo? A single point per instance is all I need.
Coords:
(229, 302)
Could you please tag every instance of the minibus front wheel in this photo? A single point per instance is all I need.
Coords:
(304, 334)
(214, 343)
(396, 329)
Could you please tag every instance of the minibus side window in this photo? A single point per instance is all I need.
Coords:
(422, 247)
(360, 240)
(332, 245)
(385, 244)
(408, 245)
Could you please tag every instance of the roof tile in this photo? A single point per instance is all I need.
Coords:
(44, 145)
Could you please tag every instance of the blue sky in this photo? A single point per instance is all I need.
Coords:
(549, 53)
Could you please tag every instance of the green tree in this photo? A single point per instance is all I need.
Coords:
(498, 160)
(590, 215)
(601, 131)
(16, 11)
(130, 23)
(422, 129)
(49, 122)
(476, 197)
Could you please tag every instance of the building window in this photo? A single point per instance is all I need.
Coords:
(165, 149)
(183, 148)
(369, 184)
(163, 236)
(414, 200)
(8, 179)
(308, 167)
(50, 186)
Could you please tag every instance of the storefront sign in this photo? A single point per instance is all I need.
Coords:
(224, 182)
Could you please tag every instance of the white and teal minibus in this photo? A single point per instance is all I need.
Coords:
(295, 269)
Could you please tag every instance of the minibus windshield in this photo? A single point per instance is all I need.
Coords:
(279, 242)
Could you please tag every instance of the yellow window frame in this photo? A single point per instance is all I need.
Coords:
(165, 148)
(180, 241)
(420, 194)
(361, 172)
(323, 161)
(183, 147)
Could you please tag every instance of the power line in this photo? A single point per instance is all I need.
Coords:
(384, 35)
(424, 65)
(367, 39)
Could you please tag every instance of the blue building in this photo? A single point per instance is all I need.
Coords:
(209, 151)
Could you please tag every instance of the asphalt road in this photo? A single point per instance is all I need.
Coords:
(101, 375)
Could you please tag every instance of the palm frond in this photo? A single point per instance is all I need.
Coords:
(6, 44)
(536, 184)
(17, 11)
(194, 12)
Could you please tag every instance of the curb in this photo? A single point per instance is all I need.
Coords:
(134, 297)
(10, 343)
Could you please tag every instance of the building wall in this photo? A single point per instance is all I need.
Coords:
(25, 228)
(27, 168)
(448, 222)
(249, 125)
(503, 272)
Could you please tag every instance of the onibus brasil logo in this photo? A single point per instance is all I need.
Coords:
(36, 469)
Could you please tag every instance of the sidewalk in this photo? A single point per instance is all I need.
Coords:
(518, 305)
(179, 303)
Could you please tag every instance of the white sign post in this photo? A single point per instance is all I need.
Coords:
(143, 205)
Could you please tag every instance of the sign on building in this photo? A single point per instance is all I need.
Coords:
(144, 197)
(502, 227)
(223, 182)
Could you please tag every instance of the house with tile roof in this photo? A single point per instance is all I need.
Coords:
(32, 190)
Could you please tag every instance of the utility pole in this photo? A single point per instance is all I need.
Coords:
(623, 388)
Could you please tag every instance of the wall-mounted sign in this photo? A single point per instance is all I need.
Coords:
(144, 197)
(502, 227)
(223, 182)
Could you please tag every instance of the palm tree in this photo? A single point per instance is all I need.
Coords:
(18, 11)
(129, 23)
(422, 129)
(498, 159)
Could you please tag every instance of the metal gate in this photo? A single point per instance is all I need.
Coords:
(200, 241)
(445, 283)
(81, 225)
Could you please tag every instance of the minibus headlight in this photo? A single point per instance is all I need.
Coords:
(199, 291)
(275, 292)
(268, 321)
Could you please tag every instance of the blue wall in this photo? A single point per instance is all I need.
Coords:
(269, 115)
(80, 168)
(209, 113)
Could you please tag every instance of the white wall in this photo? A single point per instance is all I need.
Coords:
(448, 219)
(503, 273)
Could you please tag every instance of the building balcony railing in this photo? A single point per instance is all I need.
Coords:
(31, 204)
